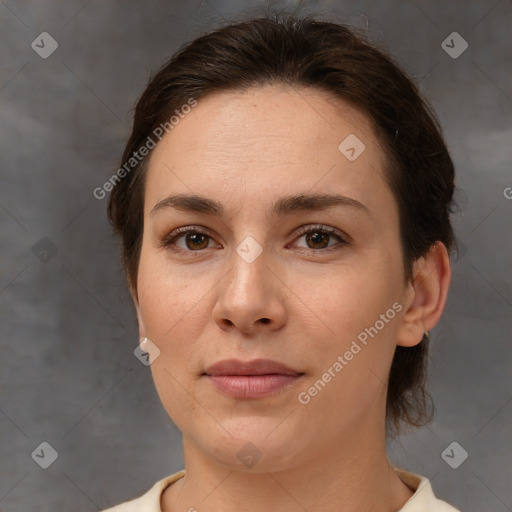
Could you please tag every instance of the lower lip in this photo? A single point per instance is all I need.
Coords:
(252, 386)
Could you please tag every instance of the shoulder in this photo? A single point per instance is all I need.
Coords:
(149, 501)
(423, 499)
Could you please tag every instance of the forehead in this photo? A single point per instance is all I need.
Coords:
(266, 141)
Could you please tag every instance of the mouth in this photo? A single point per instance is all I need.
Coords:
(251, 379)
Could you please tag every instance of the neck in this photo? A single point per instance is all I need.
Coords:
(352, 476)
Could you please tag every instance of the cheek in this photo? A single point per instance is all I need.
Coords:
(355, 320)
(348, 300)
(168, 297)
(174, 317)
(349, 345)
(173, 310)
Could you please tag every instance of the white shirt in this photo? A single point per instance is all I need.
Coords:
(423, 499)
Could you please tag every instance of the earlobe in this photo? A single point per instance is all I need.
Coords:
(140, 321)
(426, 296)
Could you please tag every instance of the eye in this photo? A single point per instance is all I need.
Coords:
(194, 239)
(318, 237)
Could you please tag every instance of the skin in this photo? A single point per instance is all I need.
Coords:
(199, 306)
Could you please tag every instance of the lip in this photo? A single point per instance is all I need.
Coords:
(251, 379)
(249, 368)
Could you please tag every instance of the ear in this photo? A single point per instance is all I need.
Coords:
(140, 321)
(426, 295)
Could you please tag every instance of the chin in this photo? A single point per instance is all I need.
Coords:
(254, 450)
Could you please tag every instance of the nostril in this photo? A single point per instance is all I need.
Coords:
(265, 320)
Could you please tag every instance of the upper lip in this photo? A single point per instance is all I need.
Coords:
(254, 367)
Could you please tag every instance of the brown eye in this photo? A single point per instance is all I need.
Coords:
(321, 238)
(196, 241)
(317, 239)
(187, 239)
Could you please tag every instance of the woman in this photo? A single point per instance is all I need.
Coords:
(284, 208)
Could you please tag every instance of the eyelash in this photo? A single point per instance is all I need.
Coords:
(170, 239)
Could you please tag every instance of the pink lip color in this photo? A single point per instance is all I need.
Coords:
(252, 386)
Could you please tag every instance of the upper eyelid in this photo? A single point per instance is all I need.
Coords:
(179, 232)
(300, 231)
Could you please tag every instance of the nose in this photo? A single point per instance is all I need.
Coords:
(251, 299)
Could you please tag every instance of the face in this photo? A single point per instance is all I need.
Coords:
(315, 284)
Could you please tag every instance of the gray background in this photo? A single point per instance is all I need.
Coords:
(68, 331)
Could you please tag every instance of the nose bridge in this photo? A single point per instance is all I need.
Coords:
(249, 256)
(250, 296)
(249, 270)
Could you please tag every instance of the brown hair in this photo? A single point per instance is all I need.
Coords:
(333, 58)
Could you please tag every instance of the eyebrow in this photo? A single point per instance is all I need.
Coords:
(282, 207)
